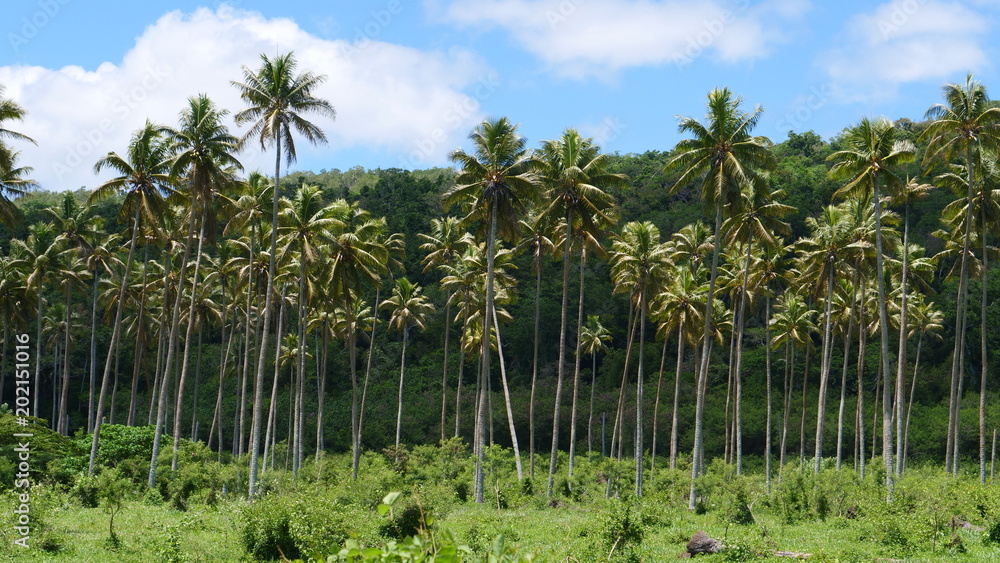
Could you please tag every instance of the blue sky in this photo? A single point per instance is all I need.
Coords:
(409, 79)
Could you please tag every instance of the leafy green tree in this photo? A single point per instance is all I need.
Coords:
(276, 100)
(495, 185)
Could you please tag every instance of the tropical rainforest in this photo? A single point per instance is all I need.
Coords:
(797, 327)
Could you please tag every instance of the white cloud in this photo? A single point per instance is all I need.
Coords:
(388, 97)
(579, 38)
(906, 41)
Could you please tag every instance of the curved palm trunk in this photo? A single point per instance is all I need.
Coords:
(824, 375)
(270, 431)
(983, 356)
(399, 402)
(115, 333)
(787, 406)
(843, 373)
(699, 416)
(506, 396)
(576, 366)
(618, 430)
(179, 400)
(562, 353)
(909, 407)
(738, 375)
(368, 370)
(461, 373)
(656, 407)
(268, 305)
(93, 352)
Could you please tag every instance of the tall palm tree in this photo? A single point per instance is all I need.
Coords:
(722, 157)
(574, 175)
(13, 183)
(793, 321)
(496, 186)
(928, 321)
(276, 99)
(755, 225)
(145, 179)
(822, 257)
(409, 309)
(639, 264)
(867, 164)
(443, 246)
(966, 125)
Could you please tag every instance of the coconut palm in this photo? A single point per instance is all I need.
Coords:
(276, 100)
(145, 179)
(495, 185)
(409, 309)
(593, 338)
(966, 125)
(867, 164)
(927, 321)
(14, 302)
(639, 265)
(793, 321)
(443, 246)
(722, 157)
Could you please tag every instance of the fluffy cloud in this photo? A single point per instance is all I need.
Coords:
(388, 97)
(578, 38)
(907, 41)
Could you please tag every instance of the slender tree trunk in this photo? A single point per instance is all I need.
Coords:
(561, 368)
(368, 371)
(787, 407)
(576, 366)
(590, 416)
(639, 449)
(485, 368)
(461, 370)
(63, 425)
(984, 357)
(534, 364)
(677, 390)
(271, 431)
(805, 395)
(140, 339)
(739, 362)
(909, 407)
(115, 333)
(767, 375)
(656, 406)
(258, 396)
(883, 314)
(901, 355)
(699, 415)
(862, 347)
(399, 402)
(506, 396)
(444, 373)
(93, 353)
(179, 400)
(843, 374)
(824, 370)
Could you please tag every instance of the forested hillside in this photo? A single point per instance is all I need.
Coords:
(146, 299)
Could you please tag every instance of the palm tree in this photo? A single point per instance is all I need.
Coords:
(276, 98)
(822, 257)
(496, 185)
(409, 308)
(908, 193)
(677, 309)
(145, 179)
(10, 111)
(443, 246)
(14, 304)
(13, 182)
(722, 157)
(967, 124)
(872, 152)
(592, 339)
(639, 263)
(755, 226)
(793, 321)
(927, 321)
(574, 175)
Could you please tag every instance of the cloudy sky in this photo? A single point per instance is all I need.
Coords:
(410, 78)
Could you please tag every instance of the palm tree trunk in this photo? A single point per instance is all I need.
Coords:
(618, 431)
(699, 416)
(179, 400)
(739, 362)
(63, 424)
(485, 368)
(461, 371)
(321, 407)
(862, 347)
(984, 358)
(656, 407)
(368, 370)
(901, 355)
(787, 407)
(677, 390)
(534, 365)
(271, 431)
(576, 366)
(140, 339)
(909, 407)
(590, 416)
(399, 402)
(444, 372)
(767, 375)
(115, 333)
(824, 370)
(639, 449)
(506, 396)
(93, 353)
(561, 367)
(887, 442)
(843, 374)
